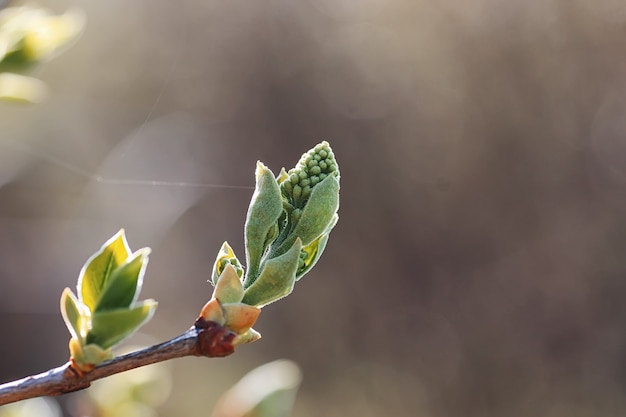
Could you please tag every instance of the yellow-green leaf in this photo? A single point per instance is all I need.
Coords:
(99, 267)
(112, 326)
(70, 310)
(124, 284)
(21, 88)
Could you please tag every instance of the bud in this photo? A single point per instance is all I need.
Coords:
(228, 288)
(226, 256)
(240, 317)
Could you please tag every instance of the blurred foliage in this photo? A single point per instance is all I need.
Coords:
(267, 391)
(135, 393)
(30, 36)
(34, 407)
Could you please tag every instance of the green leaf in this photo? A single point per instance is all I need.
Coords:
(124, 285)
(319, 211)
(276, 279)
(21, 88)
(267, 391)
(317, 217)
(70, 310)
(261, 226)
(112, 326)
(98, 269)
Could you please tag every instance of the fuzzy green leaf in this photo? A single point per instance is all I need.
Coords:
(276, 279)
(112, 326)
(261, 226)
(319, 211)
(125, 283)
(318, 215)
(97, 271)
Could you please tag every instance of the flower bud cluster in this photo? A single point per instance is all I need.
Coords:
(312, 168)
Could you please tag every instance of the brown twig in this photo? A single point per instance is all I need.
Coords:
(204, 339)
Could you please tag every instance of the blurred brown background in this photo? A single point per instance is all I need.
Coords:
(479, 264)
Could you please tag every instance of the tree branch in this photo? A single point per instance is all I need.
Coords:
(204, 339)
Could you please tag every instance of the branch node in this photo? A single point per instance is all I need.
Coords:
(214, 340)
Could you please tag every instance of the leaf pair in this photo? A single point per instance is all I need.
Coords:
(106, 310)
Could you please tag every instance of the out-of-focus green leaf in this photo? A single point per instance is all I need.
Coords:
(99, 267)
(124, 284)
(112, 326)
(22, 89)
(267, 391)
(71, 313)
(33, 407)
(33, 34)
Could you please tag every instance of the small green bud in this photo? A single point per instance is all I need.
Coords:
(297, 192)
(317, 162)
(226, 256)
